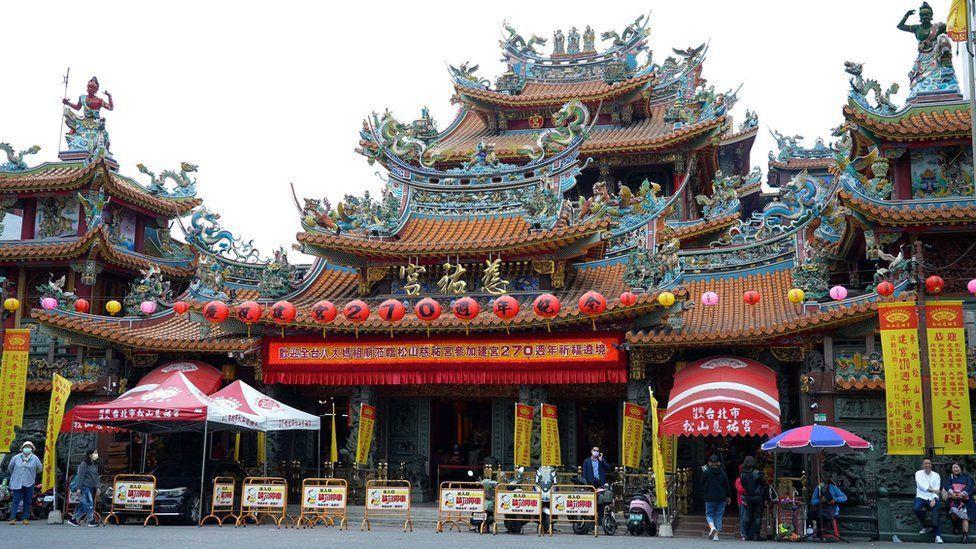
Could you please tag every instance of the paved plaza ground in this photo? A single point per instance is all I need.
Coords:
(38, 534)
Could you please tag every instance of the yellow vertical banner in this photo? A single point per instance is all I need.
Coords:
(237, 446)
(367, 422)
(551, 454)
(635, 417)
(60, 390)
(262, 447)
(523, 435)
(903, 378)
(334, 448)
(669, 448)
(957, 22)
(952, 423)
(13, 383)
(657, 459)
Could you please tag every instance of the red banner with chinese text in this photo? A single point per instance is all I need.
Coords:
(13, 383)
(488, 360)
(903, 378)
(952, 423)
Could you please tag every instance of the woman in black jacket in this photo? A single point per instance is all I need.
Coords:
(86, 483)
(715, 492)
(754, 484)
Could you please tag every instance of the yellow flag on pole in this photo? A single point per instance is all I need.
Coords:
(334, 451)
(660, 486)
(957, 20)
(60, 390)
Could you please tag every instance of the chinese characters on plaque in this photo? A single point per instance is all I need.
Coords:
(952, 423)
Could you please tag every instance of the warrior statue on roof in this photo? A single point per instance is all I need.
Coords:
(932, 71)
(88, 132)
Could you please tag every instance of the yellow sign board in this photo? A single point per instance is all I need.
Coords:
(523, 435)
(60, 390)
(635, 417)
(13, 383)
(367, 422)
(952, 423)
(551, 454)
(903, 378)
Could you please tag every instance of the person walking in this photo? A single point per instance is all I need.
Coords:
(23, 469)
(959, 489)
(715, 492)
(754, 484)
(825, 503)
(86, 483)
(927, 486)
(741, 504)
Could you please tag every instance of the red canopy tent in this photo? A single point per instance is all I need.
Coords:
(723, 396)
(204, 376)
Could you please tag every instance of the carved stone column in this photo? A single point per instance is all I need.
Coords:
(362, 394)
(534, 395)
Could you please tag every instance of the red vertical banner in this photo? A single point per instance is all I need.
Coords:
(952, 422)
(903, 377)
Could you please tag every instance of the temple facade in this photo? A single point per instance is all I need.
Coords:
(588, 227)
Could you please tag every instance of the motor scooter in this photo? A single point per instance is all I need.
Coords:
(5, 497)
(514, 526)
(604, 508)
(545, 479)
(641, 518)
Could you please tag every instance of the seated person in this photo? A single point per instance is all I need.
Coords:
(826, 507)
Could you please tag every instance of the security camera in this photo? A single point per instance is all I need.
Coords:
(814, 406)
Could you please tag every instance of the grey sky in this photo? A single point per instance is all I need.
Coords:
(263, 93)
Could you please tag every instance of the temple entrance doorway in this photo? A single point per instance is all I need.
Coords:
(460, 437)
(598, 422)
(694, 452)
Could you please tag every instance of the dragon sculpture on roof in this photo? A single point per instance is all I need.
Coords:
(15, 161)
(572, 122)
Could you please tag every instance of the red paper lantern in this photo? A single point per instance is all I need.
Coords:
(82, 305)
(627, 299)
(181, 307)
(324, 312)
(751, 297)
(249, 312)
(391, 310)
(934, 284)
(356, 311)
(505, 306)
(427, 309)
(885, 288)
(592, 303)
(216, 311)
(283, 312)
(546, 305)
(466, 308)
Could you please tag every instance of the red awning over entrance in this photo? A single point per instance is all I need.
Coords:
(723, 396)
(543, 359)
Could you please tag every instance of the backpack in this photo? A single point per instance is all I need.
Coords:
(757, 496)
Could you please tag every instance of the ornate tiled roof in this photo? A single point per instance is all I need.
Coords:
(916, 122)
(538, 94)
(775, 316)
(946, 211)
(647, 134)
(167, 332)
(69, 176)
(74, 247)
(704, 226)
(802, 163)
(422, 234)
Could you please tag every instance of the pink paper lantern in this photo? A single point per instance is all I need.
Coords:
(971, 286)
(709, 299)
(838, 293)
(148, 307)
(49, 303)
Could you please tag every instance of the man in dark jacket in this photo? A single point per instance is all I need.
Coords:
(754, 484)
(715, 492)
(595, 469)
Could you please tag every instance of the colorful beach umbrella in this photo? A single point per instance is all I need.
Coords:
(812, 439)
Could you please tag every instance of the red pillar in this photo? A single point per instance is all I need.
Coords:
(30, 216)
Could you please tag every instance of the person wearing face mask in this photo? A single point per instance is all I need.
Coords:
(86, 482)
(595, 469)
(23, 469)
